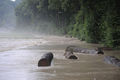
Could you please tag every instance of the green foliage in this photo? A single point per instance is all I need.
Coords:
(95, 21)
(112, 25)
(55, 4)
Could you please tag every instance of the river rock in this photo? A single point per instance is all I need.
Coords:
(84, 50)
(46, 59)
(112, 60)
(70, 55)
(74, 49)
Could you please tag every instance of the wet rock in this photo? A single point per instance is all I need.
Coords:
(46, 59)
(70, 55)
(112, 60)
(99, 51)
(84, 50)
(92, 51)
(74, 49)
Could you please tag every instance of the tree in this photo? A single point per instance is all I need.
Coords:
(87, 20)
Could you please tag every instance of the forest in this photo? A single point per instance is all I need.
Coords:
(93, 21)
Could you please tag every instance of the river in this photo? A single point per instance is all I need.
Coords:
(19, 57)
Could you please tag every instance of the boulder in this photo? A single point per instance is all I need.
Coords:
(74, 49)
(112, 60)
(70, 55)
(46, 59)
(99, 51)
(84, 50)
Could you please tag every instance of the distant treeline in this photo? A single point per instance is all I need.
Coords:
(94, 21)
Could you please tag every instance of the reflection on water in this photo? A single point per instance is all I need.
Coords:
(21, 64)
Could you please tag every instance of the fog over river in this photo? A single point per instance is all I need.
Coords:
(19, 57)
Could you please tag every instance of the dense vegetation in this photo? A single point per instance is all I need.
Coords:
(95, 21)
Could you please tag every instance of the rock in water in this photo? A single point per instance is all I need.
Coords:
(46, 59)
(84, 50)
(99, 51)
(112, 60)
(70, 55)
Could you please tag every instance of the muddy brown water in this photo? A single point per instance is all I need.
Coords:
(21, 64)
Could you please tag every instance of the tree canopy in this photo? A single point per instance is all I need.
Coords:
(96, 21)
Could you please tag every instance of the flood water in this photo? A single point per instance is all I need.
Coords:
(21, 63)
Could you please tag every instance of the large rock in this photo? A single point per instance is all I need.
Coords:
(74, 49)
(84, 50)
(112, 60)
(46, 59)
(70, 55)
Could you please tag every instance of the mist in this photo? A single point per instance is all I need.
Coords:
(15, 17)
(7, 15)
